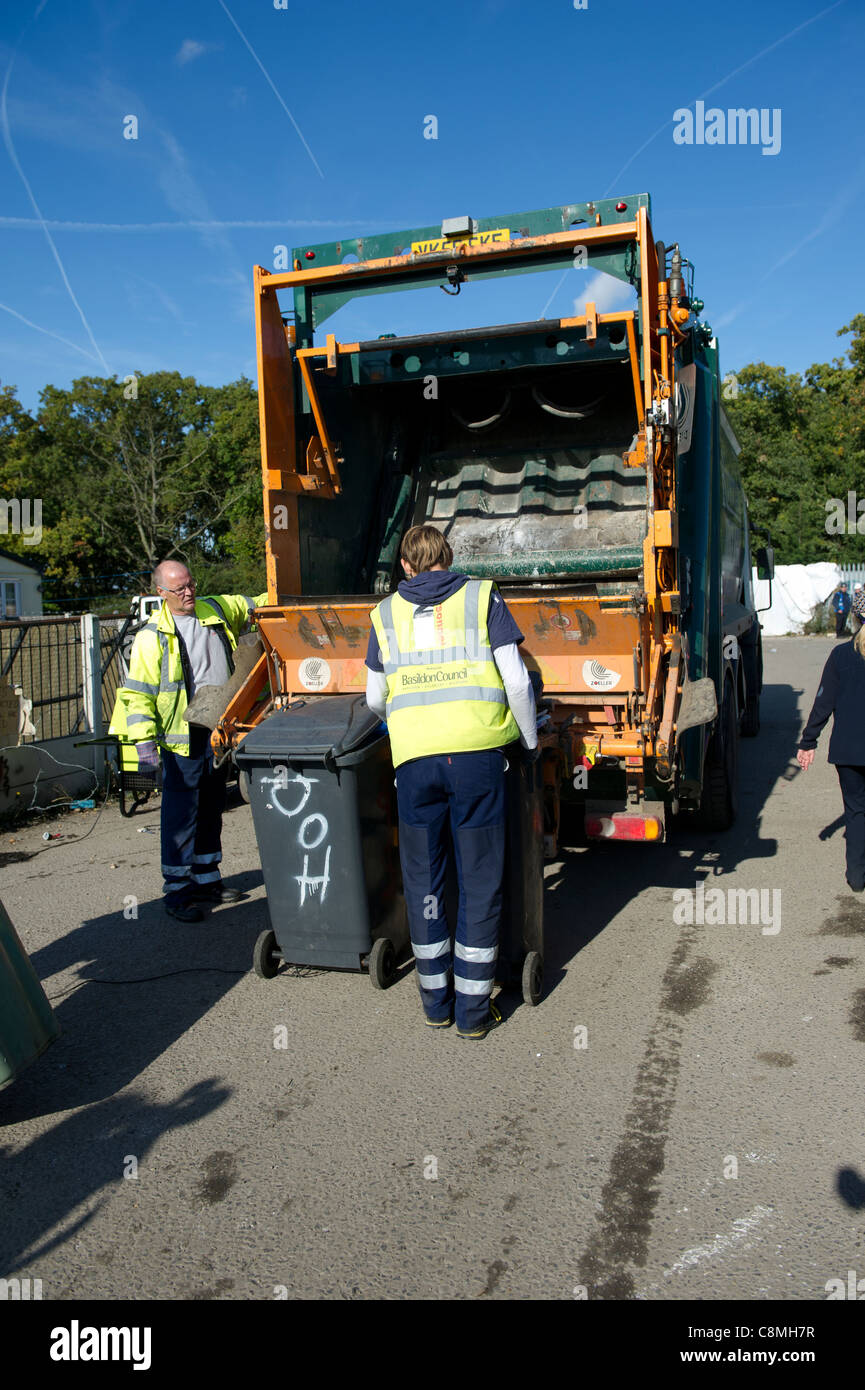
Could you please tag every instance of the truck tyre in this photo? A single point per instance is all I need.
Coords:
(751, 717)
(719, 802)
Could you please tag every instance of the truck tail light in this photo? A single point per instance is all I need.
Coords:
(624, 827)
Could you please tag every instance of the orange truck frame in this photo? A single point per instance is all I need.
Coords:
(641, 624)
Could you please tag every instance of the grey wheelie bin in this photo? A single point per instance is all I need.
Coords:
(27, 1021)
(321, 789)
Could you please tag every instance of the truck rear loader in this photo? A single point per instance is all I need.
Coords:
(584, 463)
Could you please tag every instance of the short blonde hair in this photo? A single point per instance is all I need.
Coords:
(423, 547)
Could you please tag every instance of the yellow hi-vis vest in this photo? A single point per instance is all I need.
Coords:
(444, 692)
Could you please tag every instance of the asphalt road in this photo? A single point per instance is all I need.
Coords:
(679, 1118)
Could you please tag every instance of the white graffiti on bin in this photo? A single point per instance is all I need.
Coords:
(311, 833)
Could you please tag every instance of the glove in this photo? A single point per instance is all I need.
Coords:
(531, 755)
(148, 754)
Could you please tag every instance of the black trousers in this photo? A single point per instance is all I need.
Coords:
(852, 781)
(193, 799)
(840, 624)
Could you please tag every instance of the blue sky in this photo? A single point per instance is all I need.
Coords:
(260, 126)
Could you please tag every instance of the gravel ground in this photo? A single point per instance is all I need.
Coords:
(679, 1119)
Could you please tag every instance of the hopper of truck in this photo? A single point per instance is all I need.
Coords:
(582, 462)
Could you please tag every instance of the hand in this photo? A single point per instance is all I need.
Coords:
(805, 757)
(148, 754)
(531, 755)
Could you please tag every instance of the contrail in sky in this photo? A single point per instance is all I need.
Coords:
(270, 84)
(193, 225)
(7, 138)
(67, 341)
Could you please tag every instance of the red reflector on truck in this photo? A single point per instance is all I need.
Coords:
(617, 827)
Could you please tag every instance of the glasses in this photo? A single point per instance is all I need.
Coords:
(182, 590)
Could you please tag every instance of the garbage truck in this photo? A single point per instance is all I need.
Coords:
(584, 463)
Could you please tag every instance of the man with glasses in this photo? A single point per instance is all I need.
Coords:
(187, 644)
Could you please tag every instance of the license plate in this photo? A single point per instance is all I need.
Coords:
(424, 248)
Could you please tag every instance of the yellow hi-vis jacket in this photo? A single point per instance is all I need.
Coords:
(151, 706)
(444, 691)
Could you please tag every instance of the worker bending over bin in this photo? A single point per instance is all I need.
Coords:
(445, 672)
(189, 643)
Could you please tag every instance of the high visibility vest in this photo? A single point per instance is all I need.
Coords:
(444, 691)
(151, 706)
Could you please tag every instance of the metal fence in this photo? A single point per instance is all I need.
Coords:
(115, 639)
(57, 662)
(853, 574)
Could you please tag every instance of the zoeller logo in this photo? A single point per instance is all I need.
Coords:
(76, 1343)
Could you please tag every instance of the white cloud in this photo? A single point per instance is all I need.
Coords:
(191, 49)
(605, 292)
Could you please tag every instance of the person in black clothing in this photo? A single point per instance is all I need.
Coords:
(842, 693)
(841, 607)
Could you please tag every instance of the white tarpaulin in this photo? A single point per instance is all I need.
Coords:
(796, 592)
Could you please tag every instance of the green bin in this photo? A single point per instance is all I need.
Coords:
(27, 1022)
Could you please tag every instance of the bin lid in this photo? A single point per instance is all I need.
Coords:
(325, 726)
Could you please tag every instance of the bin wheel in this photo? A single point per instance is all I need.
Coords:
(533, 977)
(265, 960)
(382, 963)
(243, 785)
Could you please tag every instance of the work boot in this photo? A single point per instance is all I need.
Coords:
(184, 911)
(475, 1034)
(216, 893)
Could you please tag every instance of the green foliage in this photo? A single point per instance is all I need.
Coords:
(133, 474)
(803, 444)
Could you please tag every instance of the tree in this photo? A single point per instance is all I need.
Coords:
(136, 473)
(802, 440)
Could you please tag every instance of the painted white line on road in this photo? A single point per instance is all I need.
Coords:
(721, 1244)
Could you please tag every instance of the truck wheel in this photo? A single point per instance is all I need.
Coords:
(750, 727)
(382, 963)
(265, 960)
(718, 805)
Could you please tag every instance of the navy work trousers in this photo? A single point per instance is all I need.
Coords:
(193, 800)
(465, 791)
(852, 781)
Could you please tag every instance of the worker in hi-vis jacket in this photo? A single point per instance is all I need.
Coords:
(445, 672)
(189, 643)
